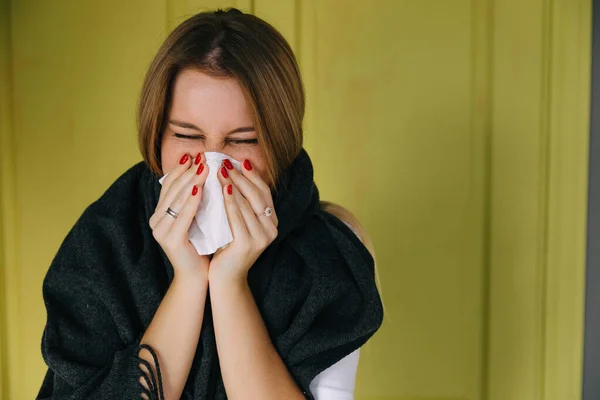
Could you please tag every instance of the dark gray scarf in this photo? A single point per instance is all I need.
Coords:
(314, 286)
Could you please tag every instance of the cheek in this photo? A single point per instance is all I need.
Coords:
(167, 157)
(258, 164)
(171, 153)
(261, 168)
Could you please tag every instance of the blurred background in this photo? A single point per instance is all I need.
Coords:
(457, 131)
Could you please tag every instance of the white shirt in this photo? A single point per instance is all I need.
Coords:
(337, 382)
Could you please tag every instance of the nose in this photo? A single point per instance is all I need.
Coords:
(216, 147)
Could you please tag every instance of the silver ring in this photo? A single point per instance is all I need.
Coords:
(268, 212)
(172, 213)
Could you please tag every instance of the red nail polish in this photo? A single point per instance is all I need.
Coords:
(229, 189)
(224, 172)
(195, 190)
(183, 159)
(198, 158)
(228, 164)
(200, 169)
(248, 165)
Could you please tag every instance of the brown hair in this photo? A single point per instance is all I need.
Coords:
(229, 44)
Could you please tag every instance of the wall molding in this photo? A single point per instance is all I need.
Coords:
(539, 167)
(481, 129)
(9, 276)
(568, 132)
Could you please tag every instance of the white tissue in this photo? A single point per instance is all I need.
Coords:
(210, 230)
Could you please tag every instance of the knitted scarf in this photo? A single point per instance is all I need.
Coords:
(314, 287)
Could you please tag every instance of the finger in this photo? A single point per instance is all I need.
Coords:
(176, 187)
(172, 186)
(253, 176)
(162, 228)
(255, 228)
(178, 200)
(197, 178)
(172, 176)
(182, 224)
(249, 190)
(234, 216)
(269, 226)
(169, 192)
(223, 175)
(184, 163)
(253, 190)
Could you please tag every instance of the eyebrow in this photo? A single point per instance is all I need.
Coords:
(187, 125)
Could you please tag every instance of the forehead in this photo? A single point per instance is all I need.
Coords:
(214, 103)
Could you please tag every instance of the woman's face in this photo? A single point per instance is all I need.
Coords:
(209, 114)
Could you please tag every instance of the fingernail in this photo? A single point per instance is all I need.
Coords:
(200, 169)
(195, 190)
(229, 189)
(198, 158)
(228, 164)
(247, 165)
(224, 172)
(183, 159)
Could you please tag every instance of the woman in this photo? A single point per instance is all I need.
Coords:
(280, 313)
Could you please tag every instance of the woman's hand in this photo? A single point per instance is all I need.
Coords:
(181, 191)
(246, 197)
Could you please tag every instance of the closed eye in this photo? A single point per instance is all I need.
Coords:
(234, 141)
(195, 137)
(244, 141)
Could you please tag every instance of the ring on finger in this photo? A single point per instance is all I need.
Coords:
(267, 213)
(172, 213)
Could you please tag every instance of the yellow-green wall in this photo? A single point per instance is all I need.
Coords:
(6, 170)
(452, 129)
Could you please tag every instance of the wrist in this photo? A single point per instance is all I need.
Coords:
(195, 278)
(221, 279)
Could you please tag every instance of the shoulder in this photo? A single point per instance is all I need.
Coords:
(350, 221)
(104, 228)
(120, 206)
(123, 194)
(355, 240)
(352, 229)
